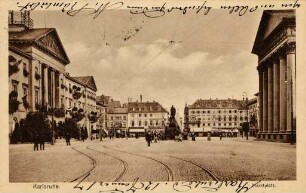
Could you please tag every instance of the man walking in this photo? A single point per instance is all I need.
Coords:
(148, 138)
(35, 140)
(67, 137)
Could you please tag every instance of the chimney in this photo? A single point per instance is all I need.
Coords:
(140, 98)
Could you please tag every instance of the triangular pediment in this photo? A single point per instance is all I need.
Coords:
(51, 43)
(269, 21)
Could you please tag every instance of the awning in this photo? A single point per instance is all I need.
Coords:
(136, 130)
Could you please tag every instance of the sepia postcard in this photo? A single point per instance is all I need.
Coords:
(153, 96)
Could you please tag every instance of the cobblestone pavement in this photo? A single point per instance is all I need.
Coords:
(127, 159)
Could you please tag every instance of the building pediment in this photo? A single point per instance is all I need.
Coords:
(272, 29)
(45, 39)
(51, 43)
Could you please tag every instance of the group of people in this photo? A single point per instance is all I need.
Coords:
(152, 136)
(39, 140)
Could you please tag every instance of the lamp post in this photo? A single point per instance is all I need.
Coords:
(245, 95)
(291, 105)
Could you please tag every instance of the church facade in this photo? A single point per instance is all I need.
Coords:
(276, 50)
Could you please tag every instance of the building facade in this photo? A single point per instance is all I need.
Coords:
(276, 50)
(37, 61)
(117, 121)
(38, 78)
(144, 116)
(252, 106)
(215, 115)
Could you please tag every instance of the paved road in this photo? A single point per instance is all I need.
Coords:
(125, 160)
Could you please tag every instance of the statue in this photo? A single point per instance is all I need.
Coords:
(172, 111)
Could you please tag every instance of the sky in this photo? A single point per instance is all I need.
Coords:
(175, 59)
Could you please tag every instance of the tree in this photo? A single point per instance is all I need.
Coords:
(70, 126)
(36, 122)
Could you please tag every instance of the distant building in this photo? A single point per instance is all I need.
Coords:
(276, 50)
(216, 115)
(252, 106)
(117, 120)
(146, 116)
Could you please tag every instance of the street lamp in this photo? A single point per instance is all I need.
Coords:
(291, 106)
(245, 95)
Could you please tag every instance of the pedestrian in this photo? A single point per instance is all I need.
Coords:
(42, 141)
(148, 138)
(67, 137)
(35, 140)
(221, 135)
(193, 137)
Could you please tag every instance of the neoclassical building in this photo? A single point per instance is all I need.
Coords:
(38, 78)
(40, 58)
(275, 47)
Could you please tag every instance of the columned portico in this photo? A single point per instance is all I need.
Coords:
(275, 47)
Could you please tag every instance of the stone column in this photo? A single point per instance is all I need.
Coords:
(270, 97)
(260, 100)
(282, 92)
(52, 89)
(45, 85)
(290, 84)
(265, 101)
(276, 95)
(57, 88)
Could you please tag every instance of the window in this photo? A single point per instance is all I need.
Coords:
(230, 111)
(124, 117)
(230, 124)
(204, 112)
(145, 115)
(139, 115)
(15, 87)
(219, 111)
(151, 123)
(146, 123)
(151, 115)
(139, 123)
(25, 91)
(36, 70)
(224, 118)
(219, 124)
(214, 124)
(208, 124)
(208, 112)
(112, 118)
(36, 96)
(132, 123)
(203, 124)
(198, 112)
(156, 123)
(230, 118)
(224, 124)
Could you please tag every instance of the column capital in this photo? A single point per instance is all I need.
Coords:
(290, 47)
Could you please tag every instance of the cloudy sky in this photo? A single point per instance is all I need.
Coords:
(174, 59)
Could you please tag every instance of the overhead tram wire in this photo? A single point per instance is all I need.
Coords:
(150, 61)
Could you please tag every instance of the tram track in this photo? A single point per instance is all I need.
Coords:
(165, 166)
(213, 176)
(87, 173)
(124, 163)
